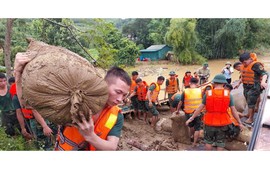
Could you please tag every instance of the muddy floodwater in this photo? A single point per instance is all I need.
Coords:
(149, 71)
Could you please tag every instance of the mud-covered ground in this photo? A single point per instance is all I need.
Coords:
(138, 136)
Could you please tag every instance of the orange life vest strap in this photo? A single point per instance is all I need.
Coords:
(132, 86)
(234, 121)
(27, 113)
(248, 75)
(154, 94)
(142, 91)
(71, 139)
(172, 87)
(187, 80)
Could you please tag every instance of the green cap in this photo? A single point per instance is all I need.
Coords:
(220, 78)
(205, 64)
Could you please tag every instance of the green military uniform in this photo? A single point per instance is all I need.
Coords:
(152, 109)
(134, 102)
(8, 114)
(216, 134)
(197, 122)
(204, 72)
(253, 91)
(42, 141)
(176, 100)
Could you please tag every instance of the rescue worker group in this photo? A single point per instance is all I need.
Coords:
(208, 106)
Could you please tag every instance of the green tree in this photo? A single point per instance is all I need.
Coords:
(107, 40)
(230, 37)
(223, 38)
(157, 30)
(2, 40)
(127, 53)
(138, 31)
(206, 30)
(257, 33)
(182, 37)
(7, 46)
(57, 32)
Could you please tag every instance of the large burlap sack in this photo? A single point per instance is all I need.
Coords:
(239, 99)
(180, 132)
(236, 145)
(59, 83)
(245, 135)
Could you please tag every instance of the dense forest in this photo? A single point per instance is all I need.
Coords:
(107, 42)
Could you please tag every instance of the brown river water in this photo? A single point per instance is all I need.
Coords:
(149, 71)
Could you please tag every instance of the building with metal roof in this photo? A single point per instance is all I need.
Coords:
(155, 52)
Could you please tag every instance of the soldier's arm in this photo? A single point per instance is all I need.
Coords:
(236, 116)
(47, 131)
(259, 69)
(178, 86)
(195, 114)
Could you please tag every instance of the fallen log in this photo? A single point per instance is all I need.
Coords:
(163, 108)
(138, 145)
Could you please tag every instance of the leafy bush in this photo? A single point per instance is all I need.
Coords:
(2, 69)
(16, 143)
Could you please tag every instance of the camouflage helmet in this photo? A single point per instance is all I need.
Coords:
(220, 78)
(205, 64)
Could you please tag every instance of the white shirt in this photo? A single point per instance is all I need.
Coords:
(227, 73)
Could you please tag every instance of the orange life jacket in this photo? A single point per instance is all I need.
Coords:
(192, 99)
(155, 92)
(12, 90)
(247, 74)
(142, 91)
(217, 104)
(253, 56)
(187, 80)
(132, 86)
(204, 87)
(27, 113)
(70, 138)
(234, 121)
(172, 87)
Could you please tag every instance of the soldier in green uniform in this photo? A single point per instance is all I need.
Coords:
(8, 115)
(254, 79)
(43, 131)
(204, 73)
